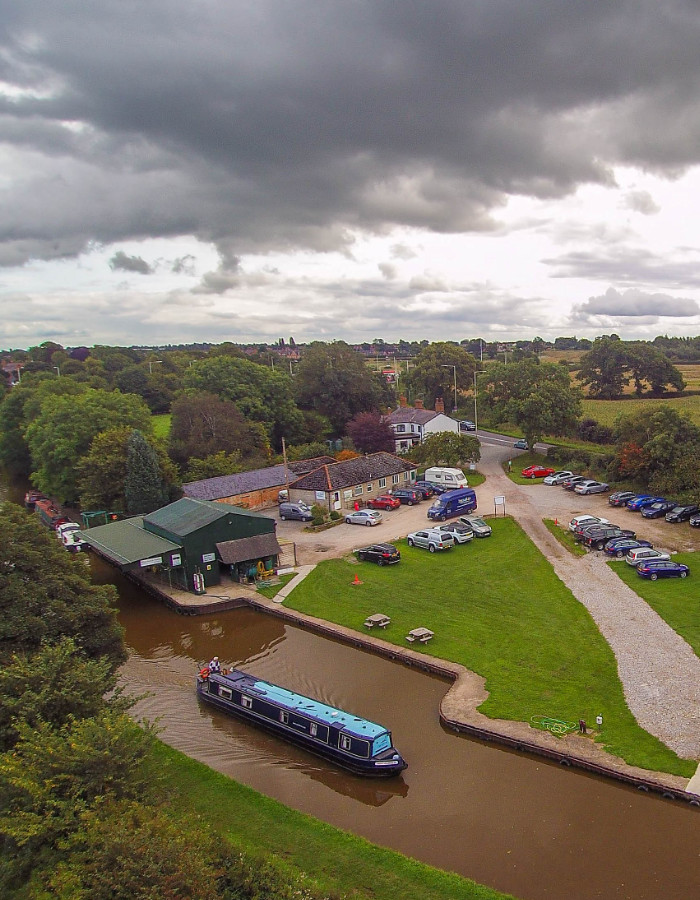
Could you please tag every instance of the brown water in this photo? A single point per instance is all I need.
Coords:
(511, 821)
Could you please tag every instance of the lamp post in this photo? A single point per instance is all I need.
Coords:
(150, 364)
(57, 368)
(454, 370)
(476, 415)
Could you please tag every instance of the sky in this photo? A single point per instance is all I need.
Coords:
(245, 170)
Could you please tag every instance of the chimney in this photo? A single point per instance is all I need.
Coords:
(418, 404)
(439, 405)
(403, 401)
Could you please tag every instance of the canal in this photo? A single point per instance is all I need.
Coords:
(511, 821)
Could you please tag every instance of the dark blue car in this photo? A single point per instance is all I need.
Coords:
(618, 547)
(427, 489)
(658, 509)
(641, 500)
(661, 568)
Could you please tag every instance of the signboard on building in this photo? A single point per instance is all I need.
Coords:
(151, 561)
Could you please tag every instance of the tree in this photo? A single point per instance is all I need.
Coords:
(536, 396)
(611, 364)
(144, 486)
(334, 380)
(102, 471)
(370, 433)
(46, 593)
(448, 449)
(61, 434)
(433, 376)
(213, 466)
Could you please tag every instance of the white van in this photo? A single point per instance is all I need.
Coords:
(446, 478)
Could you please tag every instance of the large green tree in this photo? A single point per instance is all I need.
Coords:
(611, 364)
(437, 369)
(64, 429)
(145, 488)
(538, 397)
(334, 380)
(447, 448)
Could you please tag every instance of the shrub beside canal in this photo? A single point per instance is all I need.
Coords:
(497, 607)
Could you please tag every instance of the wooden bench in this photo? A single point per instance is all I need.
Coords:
(422, 635)
(378, 619)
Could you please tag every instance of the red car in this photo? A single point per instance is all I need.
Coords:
(536, 472)
(384, 501)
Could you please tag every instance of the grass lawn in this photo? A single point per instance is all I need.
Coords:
(676, 600)
(606, 411)
(498, 608)
(339, 862)
(272, 589)
(565, 537)
(161, 425)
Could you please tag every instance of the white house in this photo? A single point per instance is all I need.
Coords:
(412, 424)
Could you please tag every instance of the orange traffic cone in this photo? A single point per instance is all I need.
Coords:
(357, 580)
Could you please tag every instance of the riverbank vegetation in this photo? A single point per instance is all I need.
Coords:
(497, 607)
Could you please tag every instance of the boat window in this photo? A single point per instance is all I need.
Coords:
(247, 702)
(225, 692)
(383, 742)
(345, 742)
(284, 716)
(313, 729)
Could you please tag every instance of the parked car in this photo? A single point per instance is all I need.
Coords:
(363, 517)
(636, 504)
(522, 444)
(645, 554)
(425, 489)
(620, 547)
(585, 527)
(467, 425)
(461, 533)
(407, 496)
(453, 503)
(558, 477)
(682, 513)
(381, 554)
(480, 528)
(435, 488)
(586, 519)
(597, 536)
(621, 498)
(591, 487)
(658, 509)
(571, 483)
(384, 501)
(694, 521)
(537, 472)
(431, 539)
(654, 569)
(298, 510)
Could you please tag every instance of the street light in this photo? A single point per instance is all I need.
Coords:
(476, 415)
(454, 369)
(57, 368)
(150, 364)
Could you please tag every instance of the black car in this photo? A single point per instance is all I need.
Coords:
(694, 520)
(381, 554)
(407, 496)
(426, 489)
(682, 513)
(620, 498)
(597, 538)
(658, 509)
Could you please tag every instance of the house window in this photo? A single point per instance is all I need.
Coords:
(358, 490)
(405, 476)
(382, 482)
(400, 427)
(369, 488)
(336, 497)
(246, 702)
(394, 479)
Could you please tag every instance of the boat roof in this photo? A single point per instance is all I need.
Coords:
(286, 699)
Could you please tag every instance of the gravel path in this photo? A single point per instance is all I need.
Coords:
(659, 671)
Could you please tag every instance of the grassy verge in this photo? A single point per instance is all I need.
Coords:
(565, 537)
(522, 461)
(498, 608)
(339, 862)
(676, 600)
(161, 425)
(475, 478)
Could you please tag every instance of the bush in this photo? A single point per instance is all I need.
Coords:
(319, 512)
(318, 520)
(335, 515)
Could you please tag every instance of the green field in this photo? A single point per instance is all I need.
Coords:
(498, 608)
(606, 411)
(340, 863)
(161, 425)
(676, 601)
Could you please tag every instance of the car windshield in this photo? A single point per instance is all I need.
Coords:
(478, 521)
(437, 503)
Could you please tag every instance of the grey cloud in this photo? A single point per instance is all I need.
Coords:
(244, 126)
(121, 260)
(183, 265)
(641, 202)
(637, 303)
(627, 264)
(388, 270)
(427, 283)
(403, 251)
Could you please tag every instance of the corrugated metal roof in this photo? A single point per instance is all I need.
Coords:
(188, 515)
(254, 547)
(126, 542)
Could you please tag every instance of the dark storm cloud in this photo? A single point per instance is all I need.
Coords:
(278, 125)
(121, 260)
(633, 303)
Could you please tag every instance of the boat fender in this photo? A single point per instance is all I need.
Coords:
(204, 673)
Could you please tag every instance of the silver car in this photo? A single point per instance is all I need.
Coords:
(643, 554)
(558, 477)
(461, 534)
(364, 517)
(591, 487)
(431, 539)
(480, 528)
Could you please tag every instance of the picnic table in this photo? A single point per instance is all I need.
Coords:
(422, 635)
(378, 619)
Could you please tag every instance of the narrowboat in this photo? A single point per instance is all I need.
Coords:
(31, 497)
(355, 744)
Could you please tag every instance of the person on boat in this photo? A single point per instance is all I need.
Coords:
(215, 666)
